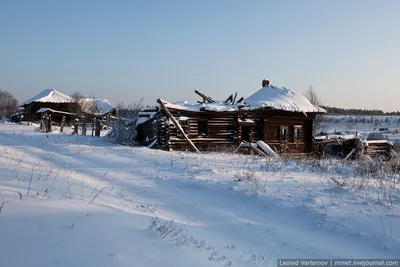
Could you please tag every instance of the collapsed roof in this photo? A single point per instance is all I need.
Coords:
(268, 97)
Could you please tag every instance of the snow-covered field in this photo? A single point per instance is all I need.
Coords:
(80, 201)
(363, 125)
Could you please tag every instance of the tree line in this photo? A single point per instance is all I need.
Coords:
(358, 112)
(312, 96)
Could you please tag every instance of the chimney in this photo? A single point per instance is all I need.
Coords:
(265, 82)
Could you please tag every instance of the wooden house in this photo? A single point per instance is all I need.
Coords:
(279, 117)
(49, 99)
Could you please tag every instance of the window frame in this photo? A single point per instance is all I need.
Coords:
(297, 138)
(283, 133)
(185, 128)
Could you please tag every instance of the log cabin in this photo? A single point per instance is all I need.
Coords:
(277, 116)
(58, 105)
(47, 99)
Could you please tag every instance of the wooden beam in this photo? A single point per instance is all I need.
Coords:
(234, 98)
(240, 100)
(177, 125)
(208, 98)
(349, 155)
(229, 99)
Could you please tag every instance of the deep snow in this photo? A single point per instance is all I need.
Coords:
(91, 203)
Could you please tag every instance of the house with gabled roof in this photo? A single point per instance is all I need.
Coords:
(52, 101)
(273, 117)
(48, 100)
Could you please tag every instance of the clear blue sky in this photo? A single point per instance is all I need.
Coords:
(123, 50)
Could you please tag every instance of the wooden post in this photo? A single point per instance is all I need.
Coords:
(76, 125)
(93, 123)
(84, 126)
(177, 125)
(62, 123)
(41, 122)
(49, 125)
(97, 127)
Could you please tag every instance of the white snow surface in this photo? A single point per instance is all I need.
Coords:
(266, 148)
(49, 96)
(71, 200)
(280, 98)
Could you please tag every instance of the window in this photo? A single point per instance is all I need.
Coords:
(184, 123)
(297, 133)
(202, 127)
(284, 132)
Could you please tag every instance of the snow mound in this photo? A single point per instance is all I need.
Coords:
(49, 96)
(280, 98)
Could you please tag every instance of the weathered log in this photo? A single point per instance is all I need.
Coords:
(234, 98)
(229, 99)
(208, 98)
(177, 125)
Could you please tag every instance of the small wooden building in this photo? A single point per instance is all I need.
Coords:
(48, 99)
(277, 116)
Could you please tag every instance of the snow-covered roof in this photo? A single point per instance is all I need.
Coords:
(96, 106)
(42, 110)
(270, 96)
(215, 106)
(280, 98)
(146, 114)
(49, 96)
(336, 137)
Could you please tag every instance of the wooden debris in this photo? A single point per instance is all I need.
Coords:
(229, 99)
(208, 98)
(349, 155)
(234, 98)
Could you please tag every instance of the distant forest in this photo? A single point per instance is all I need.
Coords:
(345, 111)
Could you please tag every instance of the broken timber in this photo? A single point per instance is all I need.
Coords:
(177, 125)
(208, 98)
(251, 146)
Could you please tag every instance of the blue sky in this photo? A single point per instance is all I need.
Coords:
(124, 50)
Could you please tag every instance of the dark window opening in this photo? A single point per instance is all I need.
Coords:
(202, 128)
(246, 132)
(284, 132)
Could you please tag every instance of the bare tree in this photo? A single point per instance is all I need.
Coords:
(312, 96)
(124, 129)
(131, 110)
(81, 104)
(8, 104)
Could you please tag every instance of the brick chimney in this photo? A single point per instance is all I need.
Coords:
(265, 82)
